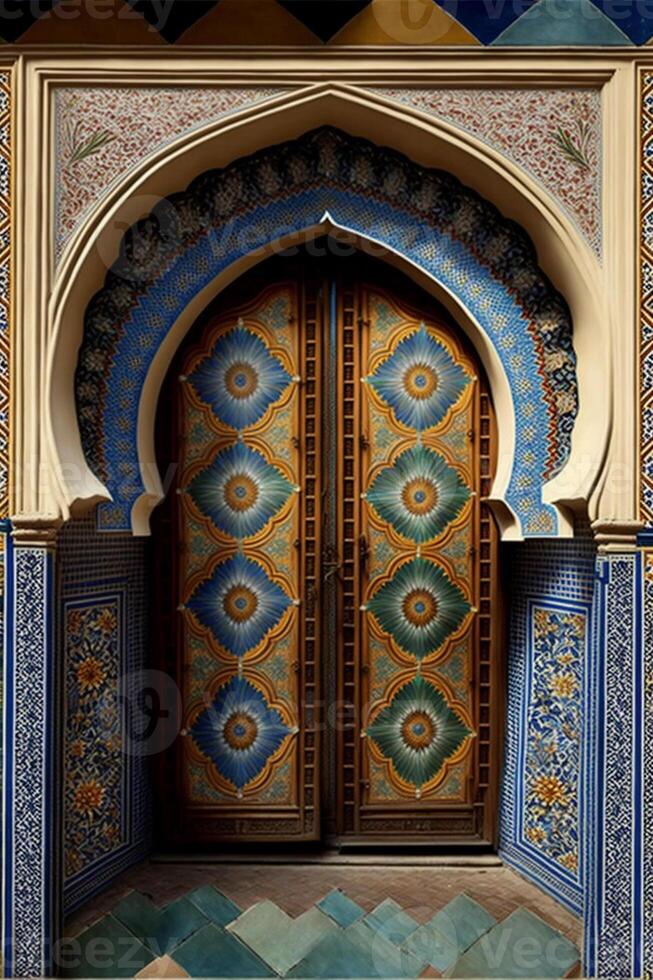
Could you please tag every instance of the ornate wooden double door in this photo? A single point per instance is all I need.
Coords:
(329, 612)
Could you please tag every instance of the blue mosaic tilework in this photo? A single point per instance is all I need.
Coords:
(101, 573)
(617, 934)
(29, 856)
(555, 581)
(424, 215)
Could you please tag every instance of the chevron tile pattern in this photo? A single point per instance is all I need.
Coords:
(204, 934)
(315, 22)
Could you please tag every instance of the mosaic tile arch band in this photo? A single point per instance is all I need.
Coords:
(426, 215)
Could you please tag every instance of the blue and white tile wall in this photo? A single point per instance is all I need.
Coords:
(542, 808)
(103, 636)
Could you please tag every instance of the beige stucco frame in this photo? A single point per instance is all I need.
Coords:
(52, 479)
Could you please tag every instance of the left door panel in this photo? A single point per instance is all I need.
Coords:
(245, 528)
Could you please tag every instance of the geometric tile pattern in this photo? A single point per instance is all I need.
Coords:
(264, 941)
(646, 298)
(5, 288)
(370, 189)
(614, 861)
(471, 22)
(543, 805)
(29, 719)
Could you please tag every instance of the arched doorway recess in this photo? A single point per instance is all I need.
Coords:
(479, 263)
(328, 563)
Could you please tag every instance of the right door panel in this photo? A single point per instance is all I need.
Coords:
(419, 556)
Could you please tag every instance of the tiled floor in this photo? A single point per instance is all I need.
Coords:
(298, 920)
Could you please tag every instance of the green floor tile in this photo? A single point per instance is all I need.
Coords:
(386, 959)
(391, 921)
(213, 952)
(521, 946)
(160, 929)
(357, 951)
(340, 908)
(430, 946)
(462, 922)
(214, 905)
(278, 939)
(107, 949)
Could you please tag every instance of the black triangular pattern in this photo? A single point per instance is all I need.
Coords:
(17, 16)
(172, 17)
(324, 17)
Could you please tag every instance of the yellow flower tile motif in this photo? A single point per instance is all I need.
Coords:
(553, 723)
(93, 750)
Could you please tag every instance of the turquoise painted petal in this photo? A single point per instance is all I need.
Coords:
(240, 491)
(419, 381)
(419, 495)
(419, 607)
(418, 731)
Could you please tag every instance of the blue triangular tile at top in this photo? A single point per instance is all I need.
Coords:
(633, 18)
(563, 23)
(485, 19)
(340, 908)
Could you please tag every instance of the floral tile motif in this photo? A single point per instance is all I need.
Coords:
(418, 732)
(419, 381)
(239, 731)
(419, 607)
(239, 604)
(419, 495)
(103, 133)
(240, 379)
(554, 134)
(93, 755)
(554, 724)
(240, 491)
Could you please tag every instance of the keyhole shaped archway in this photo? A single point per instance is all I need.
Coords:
(442, 232)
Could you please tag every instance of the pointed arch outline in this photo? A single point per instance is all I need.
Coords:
(361, 113)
